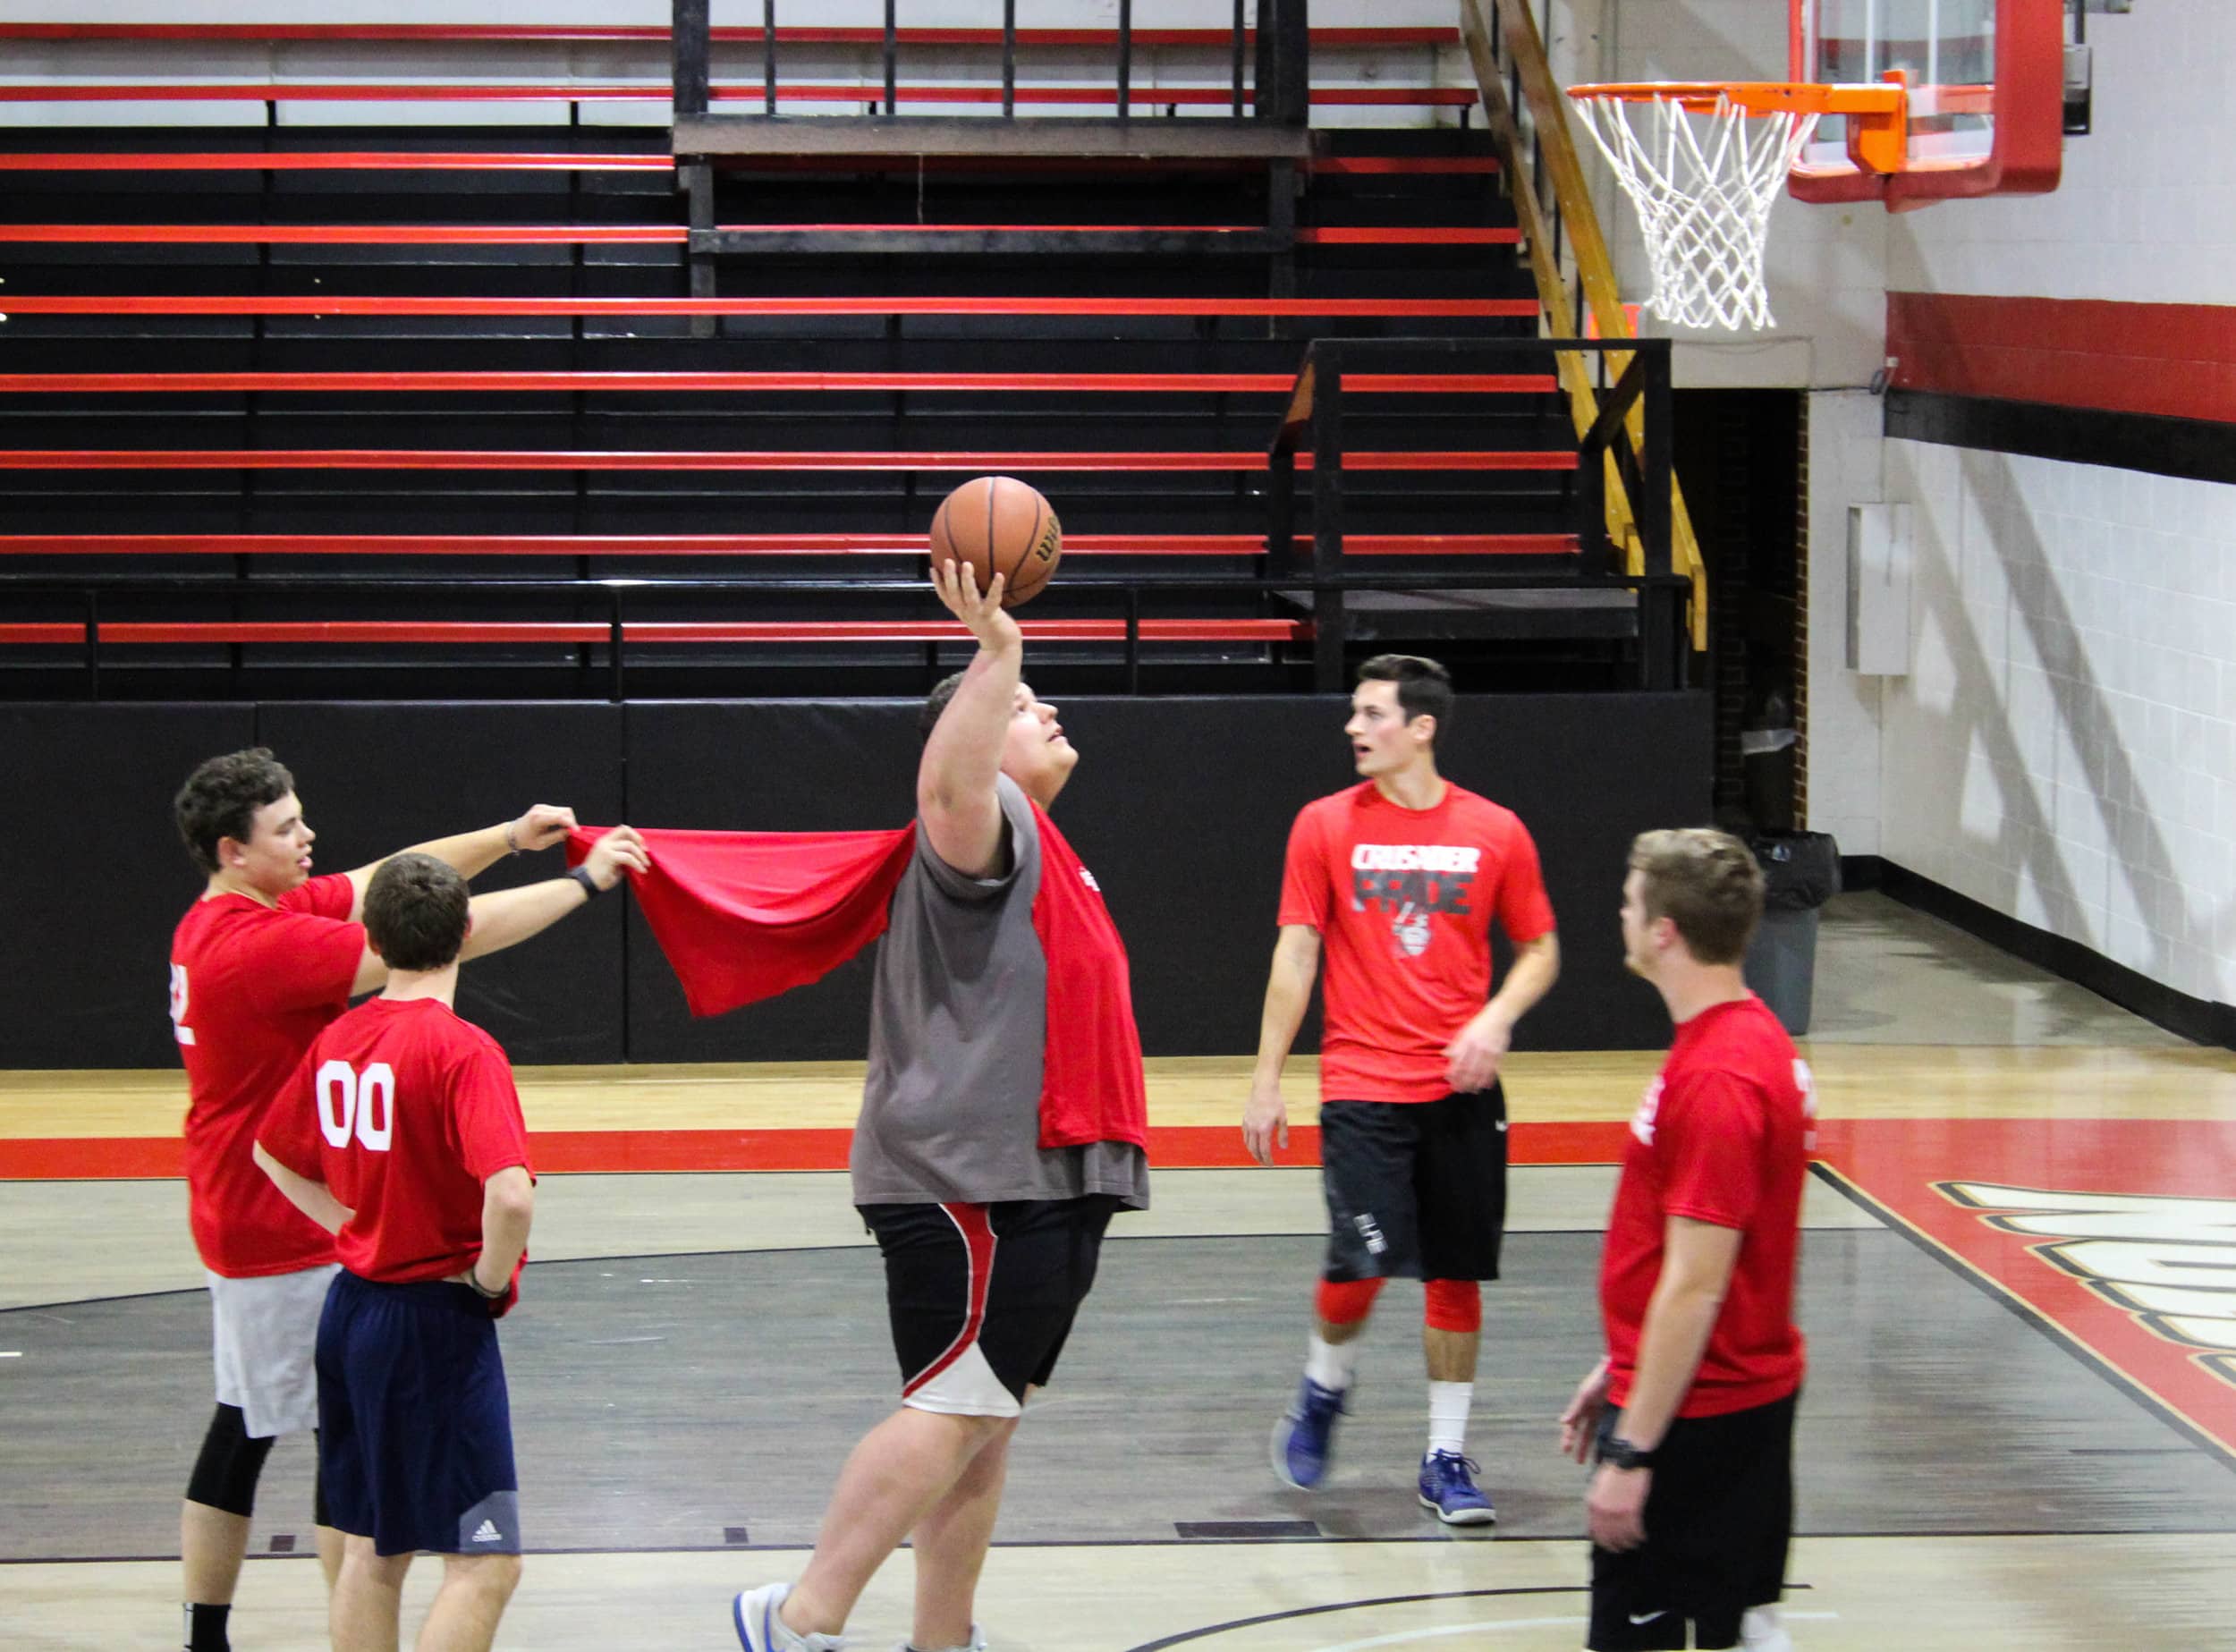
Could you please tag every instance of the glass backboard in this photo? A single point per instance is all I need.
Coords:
(1986, 79)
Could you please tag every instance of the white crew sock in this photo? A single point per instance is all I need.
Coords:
(1448, 1417)
(1760, 1630)
(1331, 1364)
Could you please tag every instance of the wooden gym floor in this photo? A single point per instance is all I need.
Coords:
(2020, 1286)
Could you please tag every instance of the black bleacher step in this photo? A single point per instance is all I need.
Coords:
(1526, 612)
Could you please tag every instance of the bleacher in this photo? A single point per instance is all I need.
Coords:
(301, 403)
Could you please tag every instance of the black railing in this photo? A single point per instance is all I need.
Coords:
(1283, 59)
(1314, 421)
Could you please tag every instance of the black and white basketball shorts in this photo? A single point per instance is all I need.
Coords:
(983, 1296)
(1415, 1189)
(1718, 1518)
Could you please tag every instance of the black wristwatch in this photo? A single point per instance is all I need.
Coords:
(1622, 1455)
(581, 874)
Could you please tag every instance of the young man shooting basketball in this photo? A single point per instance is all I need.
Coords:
(1001, 1125)
(1397, 880)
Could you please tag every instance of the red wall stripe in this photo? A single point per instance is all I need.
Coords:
(2178, 361)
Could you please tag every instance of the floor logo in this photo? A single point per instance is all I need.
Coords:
(2168, 1262)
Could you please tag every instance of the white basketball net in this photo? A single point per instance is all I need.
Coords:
(1704, 181)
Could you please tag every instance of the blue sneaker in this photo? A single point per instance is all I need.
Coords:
(1448, 1486)
(1304, 1439)
(760, 1630)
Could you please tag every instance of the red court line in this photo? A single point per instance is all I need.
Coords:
(1171, 1147)
(530, 459)
(350, 160)
(192, 304)
(738, 545)
(686, 380)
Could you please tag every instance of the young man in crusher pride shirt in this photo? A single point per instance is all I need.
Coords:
(1691, 1412)
(259, 964)
(1398, 880)
(400, 1134)
(1003, 1122)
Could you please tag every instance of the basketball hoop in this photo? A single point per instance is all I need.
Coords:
(1705, 167)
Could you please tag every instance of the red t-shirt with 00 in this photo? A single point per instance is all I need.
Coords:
(403, 1111)
(1721, 1136)
(1403, 899)
(252, 986)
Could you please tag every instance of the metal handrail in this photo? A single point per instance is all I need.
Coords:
(1526, 114)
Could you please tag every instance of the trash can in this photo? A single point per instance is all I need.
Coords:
(1800, 873)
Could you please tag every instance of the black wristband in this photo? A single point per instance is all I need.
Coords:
(473, 1279)
(581, 874)
(1622, 1455)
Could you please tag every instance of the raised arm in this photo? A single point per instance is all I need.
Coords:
(473, 852)
(955, 798)
(1288, 994)
(507, 917)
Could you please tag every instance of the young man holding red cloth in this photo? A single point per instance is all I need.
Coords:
(1398, 880)
(1691, 1415)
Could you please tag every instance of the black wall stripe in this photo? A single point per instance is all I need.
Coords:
(2201, 449)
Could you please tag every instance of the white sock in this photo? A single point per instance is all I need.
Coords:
(1760, 1630)
(1331, 1364)
(1448, 1417)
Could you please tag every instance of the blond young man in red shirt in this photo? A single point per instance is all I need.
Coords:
(1690, 1414)
(1396, 882)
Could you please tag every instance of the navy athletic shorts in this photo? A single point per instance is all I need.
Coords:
(1416, 1189)
(415, 1429)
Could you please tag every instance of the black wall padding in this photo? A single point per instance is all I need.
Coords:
(1181, 807)
(99, 877)
(374, 779)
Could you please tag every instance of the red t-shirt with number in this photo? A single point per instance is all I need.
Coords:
(403, 1111)
(252, 986)
(1721, 1136)
(1403, 899)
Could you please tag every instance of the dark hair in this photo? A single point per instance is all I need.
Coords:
(415, 911)
(1424, 688)
(934, 703)
(1708, 883)
(221, 797)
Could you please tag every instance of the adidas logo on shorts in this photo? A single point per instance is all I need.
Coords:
(488, 1532)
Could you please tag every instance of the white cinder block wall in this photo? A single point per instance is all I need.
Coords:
(2064, 749)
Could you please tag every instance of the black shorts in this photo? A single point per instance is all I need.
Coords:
(415, 1430)
(1415, 1189)
(1718, 1517)
(982, 1296)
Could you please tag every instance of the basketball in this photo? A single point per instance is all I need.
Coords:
(1000, 525)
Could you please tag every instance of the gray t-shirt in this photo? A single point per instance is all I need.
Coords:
(958, 1022)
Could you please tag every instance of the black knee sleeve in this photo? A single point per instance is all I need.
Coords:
(318, 1484)
(225, 1473)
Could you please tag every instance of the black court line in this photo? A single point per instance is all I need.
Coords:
(2005, 1297)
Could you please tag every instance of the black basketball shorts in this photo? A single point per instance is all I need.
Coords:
(982, 1296)
(1415, 1189)
(1718, 1518)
